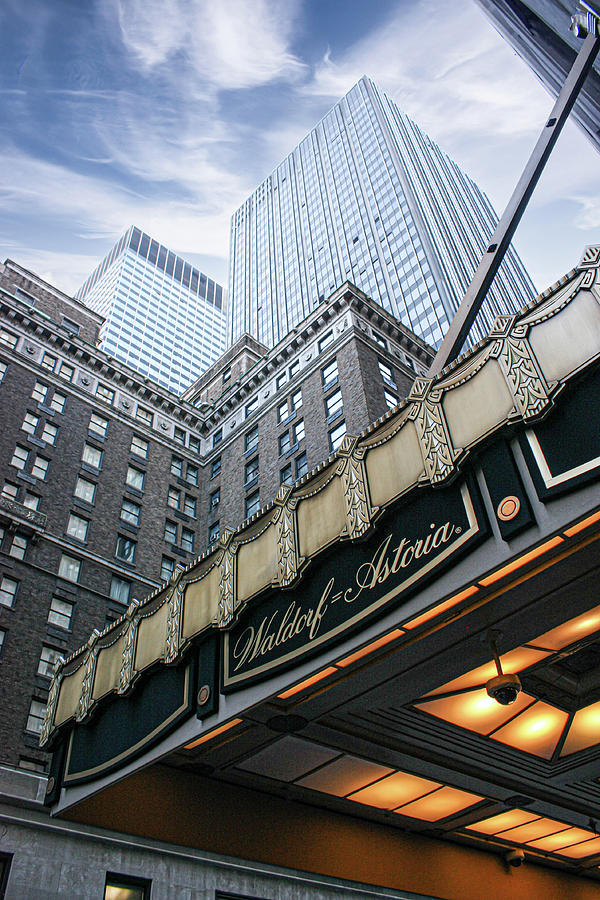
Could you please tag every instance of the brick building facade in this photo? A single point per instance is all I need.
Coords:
(109, 481)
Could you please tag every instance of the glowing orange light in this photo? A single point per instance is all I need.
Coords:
(503, 821)
(308, 682)
(393, 791)
(584, 730)
(532, 831)
(585, 523)
(213, 734)
(537, 730)
(374, 645)
(513, 661)
(570, 631)
(441, 607)
(578, 851)
(344, 775)
(474, 710)
(562, 839)
(447, 801)
(521, 561)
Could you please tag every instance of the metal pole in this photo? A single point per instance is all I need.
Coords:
(484, 275)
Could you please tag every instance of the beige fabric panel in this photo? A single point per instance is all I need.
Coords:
(394, 466)
(474, 408)
(569, 338)
(321, 518)
(70, 692)
(151, 638)
(257, 563)
(108, 669)
(200, 604)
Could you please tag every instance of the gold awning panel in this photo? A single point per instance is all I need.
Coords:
(511, 376)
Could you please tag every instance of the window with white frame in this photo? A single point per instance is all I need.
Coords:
(30, 423)
(187, 540)
(298, 431)
(130, 512)
(390, 399)
(139, 447)
(58, 402)
(40, 392)
(144, 415)
(213, 533)
(329, 375)
(173, 498)
(135, 478)
(69, 568)
(8, 338)
(18, 546)
(98, 425)
(189, 506)
(39, 468)
(251, 439)
(179, 435)
(191, 475)
(66, 371)
(92, 456)
(49, 361)
(301, 465)
(125, 549)
(119, 589)
(166, 568)
(334, 404)
(387, 374)
(20, 457)
(252, 503)
(49, 433)
(251, 407)
(105, 393)
(177, 466)
(170, 531)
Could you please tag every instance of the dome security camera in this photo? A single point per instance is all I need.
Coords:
(504, 689)
(515, 858)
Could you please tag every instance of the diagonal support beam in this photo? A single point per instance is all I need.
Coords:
(483, 277)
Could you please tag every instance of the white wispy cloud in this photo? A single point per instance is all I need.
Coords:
(237, 44)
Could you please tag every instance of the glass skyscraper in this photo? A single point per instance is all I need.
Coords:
(366, 197)
(164, 318)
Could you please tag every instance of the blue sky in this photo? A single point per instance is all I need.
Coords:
(167, 113)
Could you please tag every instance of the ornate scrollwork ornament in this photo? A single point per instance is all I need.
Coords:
(89, 671)
(354, 482)
(52, 703)
(226, 564)
(175, 601)
(288, 559)
(439, 454)
(128, 658)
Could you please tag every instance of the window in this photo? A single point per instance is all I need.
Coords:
(187, 540)
(70, 325)
(8, 339)
(3, 368)
(217, 437)
(333, 404)
(60, 613)
(177, 466)
(192, 474)
(10, 490)
(77, 527)
(92, 456)
(226, 375)
(69, 567)
(173, 498)
(171, 532)
(144, 415)
(387, 374)
(329, 375)
(284, 443)
(135, 478)
(35, 719)
(166, 568)
(301, 465)
(251, 407)
(280, 380)
(98, 425)
(282, 411)
(336, 436)
(49, 433)
(215, 499)
(139, 447)
(125, 549)
(252, 503)
(47, 659)
(20, 457)
(18, 547)
(390, 399)
(85, 490)
(39, 468)
(194, 444)
(189, 506)
(66, 372)
(296, 401)
(325, 341)
(251, 439)
(58, 402)
(179, 436)
(251, 471)
(380, 340)
(124, 887)
(298, 430)
(49, 361)
(31, 501)
(2, 637)
(40, 392)
(285, 475)
(294, 369)
(30, 423)
(213, 533)
(215, 467)
(119, 589)
(105, 393)
(130, 512)
(8, 590)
